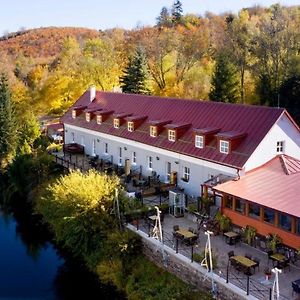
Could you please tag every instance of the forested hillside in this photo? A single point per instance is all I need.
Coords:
(251, 58)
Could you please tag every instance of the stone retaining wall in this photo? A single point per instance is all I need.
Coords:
(183, 268)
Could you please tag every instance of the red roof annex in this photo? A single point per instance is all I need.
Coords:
(275, 185)
(253, 122)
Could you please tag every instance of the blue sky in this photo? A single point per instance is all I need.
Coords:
(103, 14)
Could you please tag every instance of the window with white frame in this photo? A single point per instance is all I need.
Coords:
(224, 146)
(99, 119)
(171, 135)
(199, 141)
(87, 117)
(133, 157)
(186, 173)
(153, 131)
(116, 123)
(150, 162)
(106, 148)
(130, 126)
(73, 113)
(280, 146)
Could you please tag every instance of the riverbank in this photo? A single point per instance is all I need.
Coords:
(78, 210)
(31, 266)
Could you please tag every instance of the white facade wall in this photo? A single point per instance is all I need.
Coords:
(283, 130)
(200, 170)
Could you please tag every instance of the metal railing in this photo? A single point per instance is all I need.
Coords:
(251, 286)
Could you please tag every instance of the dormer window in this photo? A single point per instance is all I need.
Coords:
(199, 141)
(74, 114)
(117, 123)
(99, 119)
(171, 135)
(280, 147)
(153, 131)
(224, 146)
(130, 126)
(87, 117)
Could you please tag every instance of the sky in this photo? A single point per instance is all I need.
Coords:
(104, 14)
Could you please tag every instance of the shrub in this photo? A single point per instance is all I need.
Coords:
(198, 257)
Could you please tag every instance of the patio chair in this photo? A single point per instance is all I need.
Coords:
(192, 230)
(270, 253)
(257, 261)
(249, 256)
(284, 264)
(296, 288)
(238, 240)
(230, 254)
(262, 245)
(175, 228)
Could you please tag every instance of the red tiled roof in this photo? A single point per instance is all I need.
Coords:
(275, 185)
(208, 130)
(255, 121)
(231, 135)
(56, 126)
(177, 126)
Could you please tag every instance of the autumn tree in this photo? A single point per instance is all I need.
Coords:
(101, 64)
(224, 82)
(273, 48)
(77, 207)
(8, 124)
(192, 46)
(135, 75)
(239, 32)
(159, 45)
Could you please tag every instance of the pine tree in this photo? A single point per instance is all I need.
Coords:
(177, 12)
(164, 19)
(8, 124)
(225, 81)
(135, 75)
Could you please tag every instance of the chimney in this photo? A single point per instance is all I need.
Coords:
(117, 89)
(92, 93)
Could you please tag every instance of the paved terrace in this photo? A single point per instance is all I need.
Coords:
(258, 286)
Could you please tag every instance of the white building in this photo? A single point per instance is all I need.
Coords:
(197, 139)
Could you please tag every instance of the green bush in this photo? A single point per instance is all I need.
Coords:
(198, 257)
(54, 147)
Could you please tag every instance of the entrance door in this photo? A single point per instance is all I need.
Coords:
(127, 166)
(94, 148)
(168, 171)
(120, 156)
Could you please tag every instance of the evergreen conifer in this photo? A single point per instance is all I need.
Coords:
(225, 81)
(135, 75)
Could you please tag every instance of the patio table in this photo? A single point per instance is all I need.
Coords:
(230, 237)
(244, 261)
(185, 233)
(277, 257)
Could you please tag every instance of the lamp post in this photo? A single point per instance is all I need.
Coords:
(205, 262)
(276, 284)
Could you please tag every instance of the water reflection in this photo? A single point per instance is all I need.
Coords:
(31, 267)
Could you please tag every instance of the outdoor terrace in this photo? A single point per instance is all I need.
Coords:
(259, 287)
(151, 192)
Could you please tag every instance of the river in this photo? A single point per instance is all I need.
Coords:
(32, 269)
